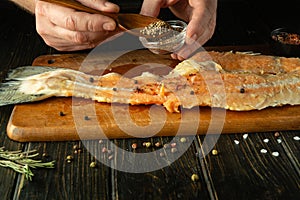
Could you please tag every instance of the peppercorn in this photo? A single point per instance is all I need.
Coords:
(157, 144)
(61, 113)
(91, 79)
(134, 145)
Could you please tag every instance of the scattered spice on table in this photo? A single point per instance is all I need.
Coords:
(214, 152)
(134, 145)
(276, 134)
(182, 140)
(157, 144)
(263, 151)
(148, 144)
(93, 164)
(266, 140)
(104, 150)
(245, 136)
(297, 138)
(194, 177)
(275, 153)
(173, 150)
(162, 154)
(110, 157)
(69, 159)
(173, 144)
(236, 141)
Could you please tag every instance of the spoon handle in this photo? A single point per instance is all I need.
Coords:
(80, 7)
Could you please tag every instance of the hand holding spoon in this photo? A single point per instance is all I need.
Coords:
(130, 22)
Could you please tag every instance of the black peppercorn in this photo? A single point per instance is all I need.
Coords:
(91, 79)
(61, 113)
(242, 90)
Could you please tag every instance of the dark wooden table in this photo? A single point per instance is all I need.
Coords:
(238, 171)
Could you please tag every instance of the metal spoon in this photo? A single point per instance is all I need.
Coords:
(130, 22)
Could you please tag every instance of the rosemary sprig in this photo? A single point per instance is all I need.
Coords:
(22, 161)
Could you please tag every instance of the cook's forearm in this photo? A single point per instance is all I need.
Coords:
(28, 5)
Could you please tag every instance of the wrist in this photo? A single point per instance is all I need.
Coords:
(28, 5)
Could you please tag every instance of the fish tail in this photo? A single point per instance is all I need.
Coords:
(9, 90)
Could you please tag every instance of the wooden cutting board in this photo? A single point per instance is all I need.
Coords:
(61, 119)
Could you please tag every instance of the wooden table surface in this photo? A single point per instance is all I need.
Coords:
(239, 171)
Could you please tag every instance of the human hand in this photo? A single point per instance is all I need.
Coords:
(200, 15)
(68, 30)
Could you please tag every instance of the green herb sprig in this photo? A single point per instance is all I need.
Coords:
(22, 162)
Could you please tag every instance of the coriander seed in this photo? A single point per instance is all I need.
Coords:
(183, 140)
(194, 177)
(93, 164)
(214, 152)
(148, 144)
(173, 150)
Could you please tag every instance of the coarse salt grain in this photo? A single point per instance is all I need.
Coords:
(263, 151)
(275, 153)
(296, 138)
(236, 141)
(266, 140)
(245, 136)
(279, 141)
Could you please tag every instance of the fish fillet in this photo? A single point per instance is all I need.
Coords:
(230, 80)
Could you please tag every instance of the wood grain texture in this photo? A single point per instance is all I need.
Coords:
(237, 172)
(267, 174)
(12, 34)
(40, 121)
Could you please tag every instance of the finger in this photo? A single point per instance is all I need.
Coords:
(74, 37)
(186, 51)
(151, 7)
(73, 20)
(101, 5)
(203, 14)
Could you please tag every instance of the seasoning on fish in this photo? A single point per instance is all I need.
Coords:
(216, 79)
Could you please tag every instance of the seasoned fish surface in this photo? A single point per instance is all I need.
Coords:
(233, 81)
